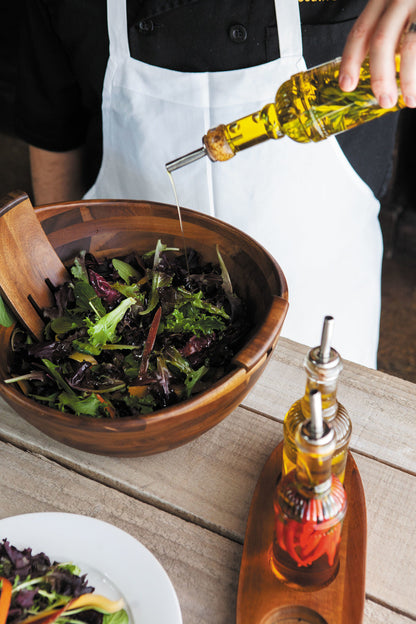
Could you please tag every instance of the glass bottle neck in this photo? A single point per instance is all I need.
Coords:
(313, 473)
(328, 390)
(243, 133)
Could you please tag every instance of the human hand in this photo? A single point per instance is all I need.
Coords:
(384, 28)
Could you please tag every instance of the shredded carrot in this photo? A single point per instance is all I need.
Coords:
(47, 616)
(5, 599)
(110, 409)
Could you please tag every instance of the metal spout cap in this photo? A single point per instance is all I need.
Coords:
(324, 359)
(315, 434)
(186, 160)
(326, 339)
(316, 427)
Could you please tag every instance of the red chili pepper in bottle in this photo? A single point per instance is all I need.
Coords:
(311, 543)
(334, 543)
(318, 551)
(291, 539)
(307, 532)
(310, 505)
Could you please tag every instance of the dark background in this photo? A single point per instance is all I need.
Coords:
(397, 349)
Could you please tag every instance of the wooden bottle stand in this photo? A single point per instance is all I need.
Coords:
(263, 599)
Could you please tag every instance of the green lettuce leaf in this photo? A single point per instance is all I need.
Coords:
(119, 617)
(125, 271)
(105, 329)
(89, 405)
(6, 317)
(174, 358)
(78, 270)
(188, 319)
(87, 299)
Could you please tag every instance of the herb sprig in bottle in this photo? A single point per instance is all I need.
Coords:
(310, 106)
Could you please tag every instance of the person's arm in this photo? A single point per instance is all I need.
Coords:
(56, 176)
(383, 28)
(51, 111)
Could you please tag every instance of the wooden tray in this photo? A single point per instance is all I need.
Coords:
(263, 599)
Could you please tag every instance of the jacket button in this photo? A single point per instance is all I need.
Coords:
(145, 26)
(238, 33)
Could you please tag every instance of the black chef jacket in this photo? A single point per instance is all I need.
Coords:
(64, 52)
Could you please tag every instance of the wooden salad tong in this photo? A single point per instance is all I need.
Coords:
(28, 262)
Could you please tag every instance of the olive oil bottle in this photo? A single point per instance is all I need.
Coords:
(309, 506)
(310, 106)
(322, 365)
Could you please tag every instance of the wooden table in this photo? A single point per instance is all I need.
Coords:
(189, 506)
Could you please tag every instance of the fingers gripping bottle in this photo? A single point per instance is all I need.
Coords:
(323, 366)
(309, 505)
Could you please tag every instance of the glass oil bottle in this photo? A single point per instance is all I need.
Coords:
(310, 106)
(309, 506)
(322, 365)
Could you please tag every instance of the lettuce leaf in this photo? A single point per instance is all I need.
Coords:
(6, 317)
(89, 405)
(125, 271)
(174, 358)
(87, 299)
(105, 329)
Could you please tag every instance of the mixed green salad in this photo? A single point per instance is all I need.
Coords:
(34, 590)
(133, 334)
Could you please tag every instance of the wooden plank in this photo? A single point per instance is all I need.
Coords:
(381, 407)
(377, 614)
(391, 552)
(211, 481)
(225, 462)
(203, 566)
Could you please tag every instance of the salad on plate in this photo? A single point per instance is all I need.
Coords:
(36, 590)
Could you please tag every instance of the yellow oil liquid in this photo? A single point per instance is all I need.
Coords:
(310, 106)
(172, 181)
(342, 429)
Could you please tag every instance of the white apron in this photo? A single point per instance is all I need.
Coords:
(304, 203)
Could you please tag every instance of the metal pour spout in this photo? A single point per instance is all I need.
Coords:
(187, 159)
(317, 423)
(325, 348)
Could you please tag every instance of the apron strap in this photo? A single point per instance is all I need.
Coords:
(117, 28)
(289, 28)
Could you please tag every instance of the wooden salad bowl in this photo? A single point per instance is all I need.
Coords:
(110, 228)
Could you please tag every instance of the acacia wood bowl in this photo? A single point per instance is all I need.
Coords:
(110, 228)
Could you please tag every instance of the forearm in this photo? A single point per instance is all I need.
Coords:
(56, 176)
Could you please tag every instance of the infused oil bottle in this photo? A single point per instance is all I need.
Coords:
(323, 366)
(310, 106)
(309, 506)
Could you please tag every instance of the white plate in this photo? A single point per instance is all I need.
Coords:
(116, 564)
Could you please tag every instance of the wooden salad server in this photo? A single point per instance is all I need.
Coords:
(27, 259)
(263, 599)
